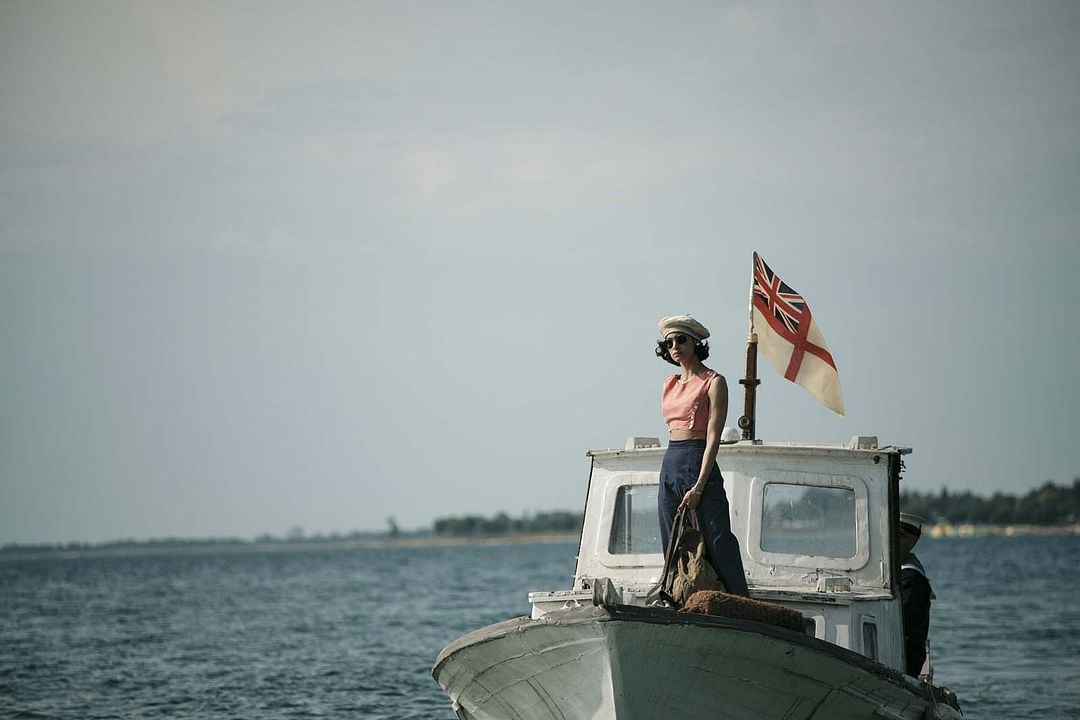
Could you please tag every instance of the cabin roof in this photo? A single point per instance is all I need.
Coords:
(862, 445)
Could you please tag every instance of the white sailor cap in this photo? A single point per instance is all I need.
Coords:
(913, 522)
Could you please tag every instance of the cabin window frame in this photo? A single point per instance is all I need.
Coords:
(610, 498)
(780, 476)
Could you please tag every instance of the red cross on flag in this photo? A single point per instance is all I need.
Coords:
(790, 339)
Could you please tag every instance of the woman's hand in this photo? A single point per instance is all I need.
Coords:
(690, 500)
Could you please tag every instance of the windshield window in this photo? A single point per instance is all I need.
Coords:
(807, 520)
(635, 528)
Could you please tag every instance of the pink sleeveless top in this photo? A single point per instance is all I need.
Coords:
(685, 405)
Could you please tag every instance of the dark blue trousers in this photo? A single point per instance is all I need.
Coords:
(678, 473)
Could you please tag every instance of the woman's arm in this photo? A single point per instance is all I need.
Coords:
(718, 400)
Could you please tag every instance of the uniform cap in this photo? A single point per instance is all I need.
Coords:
(913, 522)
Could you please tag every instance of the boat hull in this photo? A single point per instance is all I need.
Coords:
(630, 662)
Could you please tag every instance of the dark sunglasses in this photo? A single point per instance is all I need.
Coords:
(674, 340)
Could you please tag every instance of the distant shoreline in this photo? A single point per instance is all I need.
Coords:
(149, 548)
(200, 547)
(963, 530)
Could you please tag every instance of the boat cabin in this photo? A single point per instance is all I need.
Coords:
(816, 526)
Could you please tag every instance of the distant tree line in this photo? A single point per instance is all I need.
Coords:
(1049, 504)
(560, 521)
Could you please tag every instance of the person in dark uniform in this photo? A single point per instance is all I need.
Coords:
(916, 595)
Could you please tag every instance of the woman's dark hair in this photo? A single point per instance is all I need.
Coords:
(701, 349)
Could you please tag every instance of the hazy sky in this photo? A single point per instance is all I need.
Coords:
(266, 265)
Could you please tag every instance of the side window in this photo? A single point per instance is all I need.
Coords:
(808, 520)
(635, 528)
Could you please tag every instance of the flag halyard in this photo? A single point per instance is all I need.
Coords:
(789, 338)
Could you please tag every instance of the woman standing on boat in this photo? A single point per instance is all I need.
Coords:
(694, 404)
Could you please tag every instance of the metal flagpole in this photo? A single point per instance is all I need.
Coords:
(748, 421)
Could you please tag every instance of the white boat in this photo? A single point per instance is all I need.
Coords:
(817, 526)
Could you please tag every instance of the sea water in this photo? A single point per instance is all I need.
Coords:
(353, 633)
